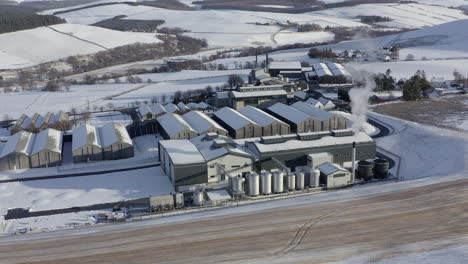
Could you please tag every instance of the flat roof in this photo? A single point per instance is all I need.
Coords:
(313, 111)
(289, 113)
(258, 116)
(285, 65)
(237, 94)
(182, 151)
(233, 118)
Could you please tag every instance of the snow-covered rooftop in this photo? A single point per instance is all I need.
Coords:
(322, 69)
(171, 108)
(218, 196)
(144, 109)
(293, 65)
(47, 140)
(85, 135)
(233, 118)
(112, 133)
(184, 108)
(314, 102)
(328, 168)
(289, 113)
(258, 116)
(158, 109)
(200, 122)
(182, 151)
(173, 124)
(222, 95)
(237, 94)
(313, 111)
(18, 143)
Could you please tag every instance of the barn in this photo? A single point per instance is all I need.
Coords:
(299, 121)
(115, 142)
(15, 152)
(270, 125)
(203, 124)
(238, 125)
(46, 149)
(172, 126)
(86, 144)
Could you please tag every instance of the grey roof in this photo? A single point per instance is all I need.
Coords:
(86, 135)
(289, 113)
(171, 108)
(158, 109)
(200, 122)
(313, 111)
(237, 94)
(173, 124)
(258, 116)
(183, 107)
(328, 168)
(233, 118)
(182, 151)
(314, 102)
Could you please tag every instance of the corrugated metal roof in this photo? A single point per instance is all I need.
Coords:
(233, 118)
(258, 116)
(313, 111)
(294, 65)
(237, 94)
(289, 113)
(171, 108)
(173, 124)
(200, 122)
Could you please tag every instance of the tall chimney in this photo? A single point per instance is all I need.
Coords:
(353, 177)
(256, 58)
(267, 64)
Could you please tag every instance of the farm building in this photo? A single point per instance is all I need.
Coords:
(321, 69)
(115, 142)
(24, 123)
(299, 121)
(327, 104)
(43, 122)
(324, 120)
(203, 124)
(315, 103)
(333, 175)
(46, 150)
(86, 144)
(172, 126)
(182, 162)
(270, 125)
(237, 124)
(337, 69)
(15, 152)
(59, 121)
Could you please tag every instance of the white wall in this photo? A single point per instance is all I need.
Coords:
(229, 161)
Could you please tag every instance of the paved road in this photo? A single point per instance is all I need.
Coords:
(309, 233)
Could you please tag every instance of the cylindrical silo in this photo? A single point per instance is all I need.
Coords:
(254, 184)
(266, 182)
(314, 177)
(365, 170)
(198, 198)
(278, 182)
(300, 181)
(237, 184)
(291, 182)
(381, 168)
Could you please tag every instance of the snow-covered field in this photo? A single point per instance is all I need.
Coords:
(44, 44)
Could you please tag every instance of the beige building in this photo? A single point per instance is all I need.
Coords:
(238, 125)
(271, 125)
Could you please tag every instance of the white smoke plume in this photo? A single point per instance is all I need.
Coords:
(360, 98)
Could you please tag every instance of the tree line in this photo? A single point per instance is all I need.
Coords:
(14, 18)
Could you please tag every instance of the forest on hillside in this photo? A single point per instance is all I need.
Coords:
(14, 18)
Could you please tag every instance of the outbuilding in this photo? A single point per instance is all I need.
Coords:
(46, 149)
(315, 103)
(333, 175)
(115, 142)
(203, 124)
(270, 125)
(238, 125)
(86, 144)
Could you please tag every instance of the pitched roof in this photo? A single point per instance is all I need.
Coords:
(173, 124)
(171, 108)
(20, 142)
(258, 116)
(85, 135)
(313, 111)
(112, 133)
(289, 113)
(47, 140)
(233, 118)
(200, 122)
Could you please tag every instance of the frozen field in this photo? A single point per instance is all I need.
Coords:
(59, 41)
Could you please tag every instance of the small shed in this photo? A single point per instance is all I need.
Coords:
(46, 150)
(115, 142)
(15, 152)
(145, 112)
(238, 125)
(333, 175)
(270, 125)
(203, 124)
(86, 144)
(172, 126)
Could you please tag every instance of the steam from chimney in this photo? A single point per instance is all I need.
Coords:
(360, 98)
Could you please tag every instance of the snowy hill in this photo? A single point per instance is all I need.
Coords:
(51, 43)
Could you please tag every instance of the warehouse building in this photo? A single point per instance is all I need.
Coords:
(325, 120)
(172, 126)
(14, 154)
(293, 152)
(172, 108)
(315, 103)
(237, 124)
(145, 112)
(183, 108)
(86, 144)
(276, 68)
(270, 125)
(327, 104)
(203, 124)
(158, 110)
(115, 142)
(46, 149)
(240, 99)
(299, 122)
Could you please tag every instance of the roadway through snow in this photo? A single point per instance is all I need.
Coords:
(310, 232)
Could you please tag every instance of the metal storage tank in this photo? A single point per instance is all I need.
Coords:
(314, 177)
(278, 177)
(300, 181)
(266, 182)
(198, 198)
(365, 170)
(237, 184)
(381, 168)
(254, 184)
(291, 182)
